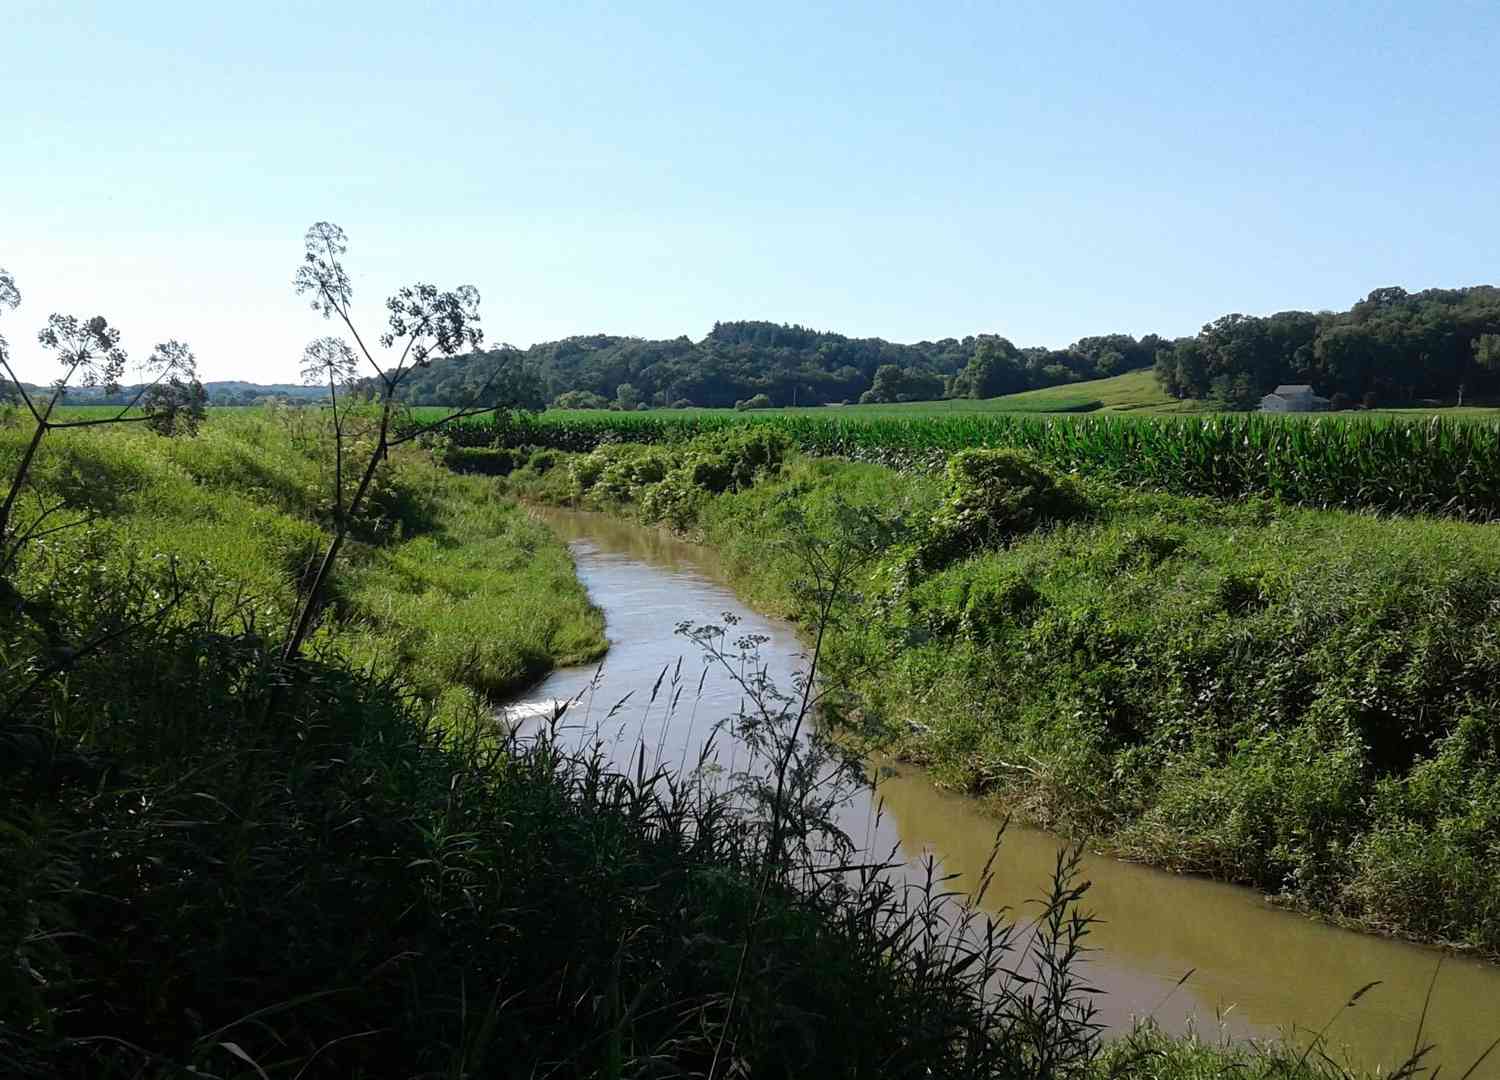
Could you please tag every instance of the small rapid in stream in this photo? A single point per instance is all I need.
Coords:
(1256, 970)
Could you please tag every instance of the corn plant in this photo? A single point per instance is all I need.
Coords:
(1432, 466)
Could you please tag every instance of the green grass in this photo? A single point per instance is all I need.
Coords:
(216, 863)
(1135, 392)
(1295, 699)
(437, 577)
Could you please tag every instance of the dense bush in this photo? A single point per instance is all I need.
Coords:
(669, 481)
(1429, 466)
(1299, 700)
(216, 863)
(485, 461)
(994, 496)
(758, 401)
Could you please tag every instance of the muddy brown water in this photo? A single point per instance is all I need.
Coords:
(1256, 970)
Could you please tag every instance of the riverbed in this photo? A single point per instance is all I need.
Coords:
(1256, 970)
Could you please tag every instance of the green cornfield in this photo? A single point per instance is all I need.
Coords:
(1422, 466)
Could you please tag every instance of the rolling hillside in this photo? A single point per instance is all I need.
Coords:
(1135, 392)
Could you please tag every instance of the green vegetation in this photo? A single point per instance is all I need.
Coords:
(1389, 464)
(258, 819)
(789, 365)
(1134, 391)
(218, 863)
(1393, 347)
(1299, 700)
(1439, 346)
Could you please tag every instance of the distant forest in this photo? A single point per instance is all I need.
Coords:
(769, 364)
(1392, 347)
(227, 392)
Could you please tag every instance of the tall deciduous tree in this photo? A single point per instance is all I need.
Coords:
(994, 370)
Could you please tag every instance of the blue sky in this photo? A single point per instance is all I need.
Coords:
(1044, 171)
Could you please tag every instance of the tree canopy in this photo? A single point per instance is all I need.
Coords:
(789, 365)
(1392, 346)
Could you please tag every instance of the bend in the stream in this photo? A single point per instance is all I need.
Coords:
(1257, 970)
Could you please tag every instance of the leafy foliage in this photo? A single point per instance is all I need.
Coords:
(789, 365)
(993, 496)
(1396, 465)
(1392, 346)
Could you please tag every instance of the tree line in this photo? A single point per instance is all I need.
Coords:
(1392, 347)
(764, 363)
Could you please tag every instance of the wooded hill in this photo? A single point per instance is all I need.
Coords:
(1392, 347)
(789, 365)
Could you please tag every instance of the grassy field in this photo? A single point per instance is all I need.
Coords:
(1132, 392)
(1135, 392)
(1299, 700)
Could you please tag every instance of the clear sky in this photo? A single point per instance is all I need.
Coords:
(913, 170)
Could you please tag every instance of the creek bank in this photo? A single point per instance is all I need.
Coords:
(215, 863)
(1301, 701)
(1262, 969)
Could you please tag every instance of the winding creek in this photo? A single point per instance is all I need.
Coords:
(1256, 970)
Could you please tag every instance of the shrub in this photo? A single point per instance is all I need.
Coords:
(580, 399)
(484, 461)
(676, 500)
(542, 461)
(731, 461)
(587, 468)
(617, 473)
(624, 478)
(993, 496)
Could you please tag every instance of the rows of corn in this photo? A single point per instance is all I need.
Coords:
(1426, 466)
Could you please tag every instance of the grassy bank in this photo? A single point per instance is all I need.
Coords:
(435, 574)
(1299, 700)
(217, 863)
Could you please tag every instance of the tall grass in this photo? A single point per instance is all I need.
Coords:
(213, 863)
(1294, 699)
(1387, 464)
